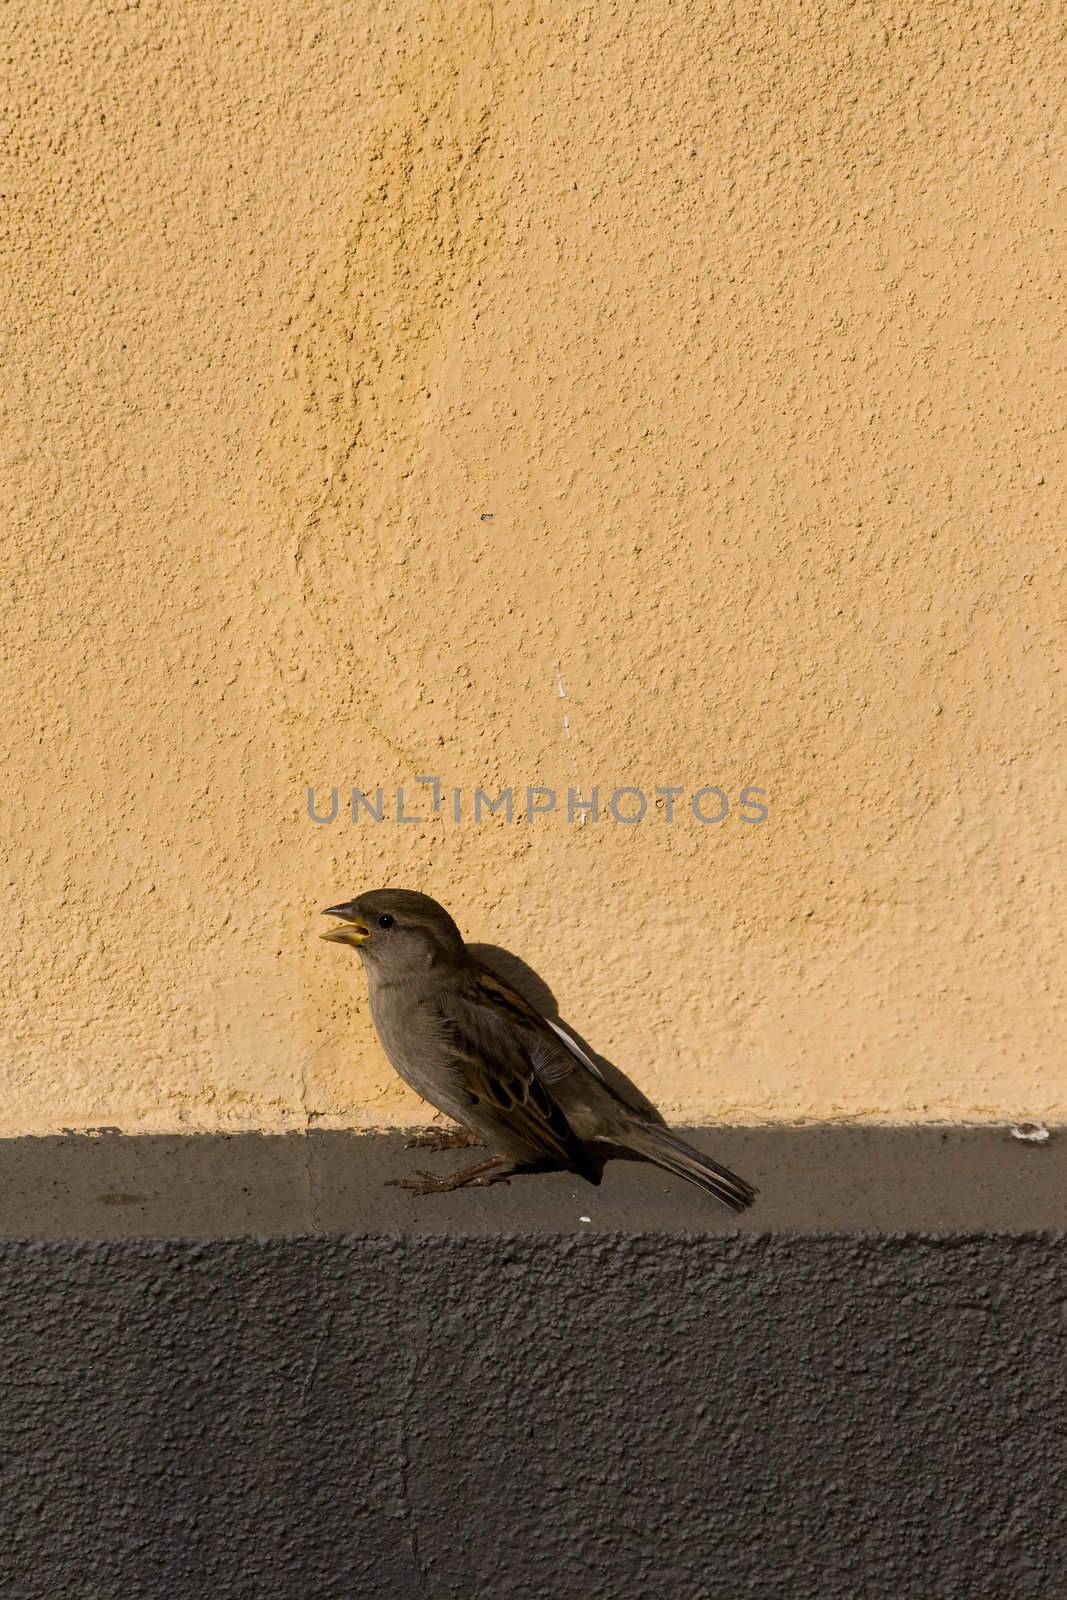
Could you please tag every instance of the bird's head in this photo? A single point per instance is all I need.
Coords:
(396, 930)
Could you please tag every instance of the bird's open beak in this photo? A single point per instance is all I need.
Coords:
(353, 929)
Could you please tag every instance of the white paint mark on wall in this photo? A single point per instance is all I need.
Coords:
(567, 735)
(1030, 1132)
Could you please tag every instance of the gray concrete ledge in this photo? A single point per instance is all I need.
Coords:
(817, 1179)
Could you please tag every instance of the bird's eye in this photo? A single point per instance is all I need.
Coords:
(386, 921)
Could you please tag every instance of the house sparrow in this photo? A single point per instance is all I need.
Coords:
(470, 1044)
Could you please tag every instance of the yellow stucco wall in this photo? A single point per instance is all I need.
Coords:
(745, 327)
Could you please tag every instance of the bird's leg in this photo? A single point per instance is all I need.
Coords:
(443, 1139)
(478, 1176)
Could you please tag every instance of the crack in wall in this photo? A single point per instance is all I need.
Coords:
(309, 1160)
(407, 1515)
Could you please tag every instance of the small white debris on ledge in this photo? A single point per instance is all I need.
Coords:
(1030, 1132)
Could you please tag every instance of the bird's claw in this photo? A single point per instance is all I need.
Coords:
(441, 1139)
(437, 1183)
(422, 1183)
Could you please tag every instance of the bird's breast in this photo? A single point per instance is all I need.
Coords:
(412, 1039)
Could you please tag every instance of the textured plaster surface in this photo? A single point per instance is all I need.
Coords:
(415, 1418)
(652, 395)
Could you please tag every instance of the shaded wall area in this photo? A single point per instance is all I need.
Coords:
(685, 1411)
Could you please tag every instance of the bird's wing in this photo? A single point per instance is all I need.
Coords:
(498, 1037)
(551, 1062)
(576, 1050)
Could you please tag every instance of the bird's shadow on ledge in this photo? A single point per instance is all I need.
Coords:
(512, 969)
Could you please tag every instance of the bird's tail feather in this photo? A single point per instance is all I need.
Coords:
(667, 1150)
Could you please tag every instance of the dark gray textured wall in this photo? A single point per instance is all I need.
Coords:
(546, 1413)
